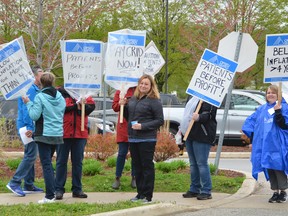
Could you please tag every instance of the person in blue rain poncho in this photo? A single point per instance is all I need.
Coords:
(267, 127)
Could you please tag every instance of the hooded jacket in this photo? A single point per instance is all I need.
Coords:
(23, 118)
(48, 111)
(72, 116)
(122, 130)
(270, 135)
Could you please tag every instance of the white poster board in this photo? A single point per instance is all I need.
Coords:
(82, 66)
(276, 58)
(152, 60)
(16, 76)
(212, 78)
(124, 62)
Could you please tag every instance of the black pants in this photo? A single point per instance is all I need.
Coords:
(142, 158)
(278, 180)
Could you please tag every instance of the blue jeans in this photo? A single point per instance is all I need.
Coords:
(123, 148)
(200, 172)
(47, 168)
(25, 169)
(76, 146)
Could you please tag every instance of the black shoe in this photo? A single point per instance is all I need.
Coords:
(190, 194)
(58, 195)
(204, 196)
(282, 197)
(274, 197)
(79, 195)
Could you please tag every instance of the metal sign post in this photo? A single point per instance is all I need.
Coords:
(245, 53)
(227, 105)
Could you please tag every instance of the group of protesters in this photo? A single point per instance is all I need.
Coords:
(57, 126)
(53, 120)
(57, 118)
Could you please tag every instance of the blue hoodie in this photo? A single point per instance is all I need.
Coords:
(48, 111)
(23, 118)
(270, 139)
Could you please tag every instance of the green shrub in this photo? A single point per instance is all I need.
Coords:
(127, 166)
(167, 167)
(111, 161)
(13, 163)
(91, 167)
(212, 168)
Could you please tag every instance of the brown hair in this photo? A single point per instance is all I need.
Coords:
(47, 79)
(153, 92)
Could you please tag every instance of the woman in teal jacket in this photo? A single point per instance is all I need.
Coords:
(47, 111)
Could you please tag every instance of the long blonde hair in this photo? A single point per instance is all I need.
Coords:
(153, 92)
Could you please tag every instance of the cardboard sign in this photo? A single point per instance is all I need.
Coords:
(16, 76)
(212, 78)
(276, 58)
(124, 62)
(153, 60)
(82, 66)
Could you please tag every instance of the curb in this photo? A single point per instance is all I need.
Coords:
(151, 210)
(249, 185)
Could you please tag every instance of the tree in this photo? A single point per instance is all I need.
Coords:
(212, 20)
(44, 23)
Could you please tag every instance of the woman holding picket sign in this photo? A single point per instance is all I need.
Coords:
(198, 143)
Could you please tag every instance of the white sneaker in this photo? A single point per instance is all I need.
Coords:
(45, 200)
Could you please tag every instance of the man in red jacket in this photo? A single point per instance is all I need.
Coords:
(122, 140)
(74, 141)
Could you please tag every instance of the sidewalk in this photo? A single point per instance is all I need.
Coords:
(163, 203)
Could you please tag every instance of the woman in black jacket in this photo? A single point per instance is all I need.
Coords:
(144, 114)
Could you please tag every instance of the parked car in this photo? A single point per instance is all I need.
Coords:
(8, 113)
(168, 100)
(107, 114)
(8, 116)
(242, 105)
(258, 93)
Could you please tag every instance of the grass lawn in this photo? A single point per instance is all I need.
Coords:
(175, 178)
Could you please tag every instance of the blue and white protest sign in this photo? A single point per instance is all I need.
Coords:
(82, 62)
(16, 76)
(152, 60)
(276, 58)
(212, 78)
(124, 62)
